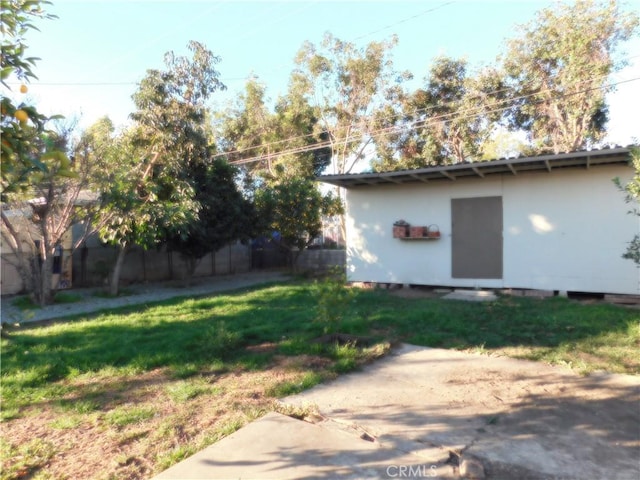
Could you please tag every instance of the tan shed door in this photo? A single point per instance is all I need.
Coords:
(476, 228)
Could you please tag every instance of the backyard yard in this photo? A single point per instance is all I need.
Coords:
(128, 393)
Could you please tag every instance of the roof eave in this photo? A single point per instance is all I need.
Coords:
(511, 166)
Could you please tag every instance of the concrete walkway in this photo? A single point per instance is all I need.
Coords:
(432, 413)
(139, 294)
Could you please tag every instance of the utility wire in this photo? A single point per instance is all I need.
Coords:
(404, 20)
(420, 110)
(413, 125)
(424, 110)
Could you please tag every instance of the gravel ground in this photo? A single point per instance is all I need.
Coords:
(143, 293)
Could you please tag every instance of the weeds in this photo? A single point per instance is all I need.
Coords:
(26, 459)
(291, 387)
(182, 391)
(333, 298)
(122, 416)
(217, 341)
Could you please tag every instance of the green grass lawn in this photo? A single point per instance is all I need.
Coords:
(162, 381)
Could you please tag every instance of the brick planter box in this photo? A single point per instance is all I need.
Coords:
(417, 232)
(400, 231)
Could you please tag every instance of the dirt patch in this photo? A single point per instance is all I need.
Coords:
(301, 361)
(177, 418)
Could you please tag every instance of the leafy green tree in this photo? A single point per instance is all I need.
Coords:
(142, 203)
(171, 107)
(173, 115)
(279, 153)
(457, 108)
(504, 143)
(225, 214)
(262, 141)
(294, 208)
(559, 69)
(447, 121)
(41, 187)
(632, 196)
(299, 123)
(35, 223)
(21, 124)
(348, 84)
(170, 190)
(247, 130)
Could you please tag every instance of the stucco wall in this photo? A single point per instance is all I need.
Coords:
(564, 230)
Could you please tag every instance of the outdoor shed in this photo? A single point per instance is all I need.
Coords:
(551, 222)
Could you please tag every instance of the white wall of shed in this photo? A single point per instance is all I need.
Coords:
(563, 230)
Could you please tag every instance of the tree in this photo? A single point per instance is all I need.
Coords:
(41, 187)
(347, 84)
(299, 123)
(246, 130)
(447, 121)
(559, 69)
(225, 215)
(21, 124)
(280, 156)
(35, 223)
(169, 189)
(261, 140)
(294, 208)
(141, 202)
(632, 196)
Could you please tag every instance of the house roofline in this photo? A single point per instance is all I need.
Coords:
(513, 166)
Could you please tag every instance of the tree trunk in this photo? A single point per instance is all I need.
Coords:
(192, 264)
(44, 293)
(294, 255)
(117, 268)
(48, 292)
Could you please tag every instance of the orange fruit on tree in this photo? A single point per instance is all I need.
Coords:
(23, 88)
(21, 115)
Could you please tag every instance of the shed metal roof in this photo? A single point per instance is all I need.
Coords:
(511, 166)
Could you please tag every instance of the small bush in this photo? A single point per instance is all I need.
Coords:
(217, 341)
(24, 303)
(333, 299)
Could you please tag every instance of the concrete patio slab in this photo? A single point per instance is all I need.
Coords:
(432, 413)
(516, 416)
(471, 295)
(280, 447)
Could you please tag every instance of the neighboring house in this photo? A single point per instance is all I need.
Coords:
(10, 280)
(551, 222)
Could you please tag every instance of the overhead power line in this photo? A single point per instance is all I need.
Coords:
(449, 117)
(404, 20)
(425, 110)
(417, 111)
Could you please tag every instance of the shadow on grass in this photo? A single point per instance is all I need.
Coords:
(217, 330)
